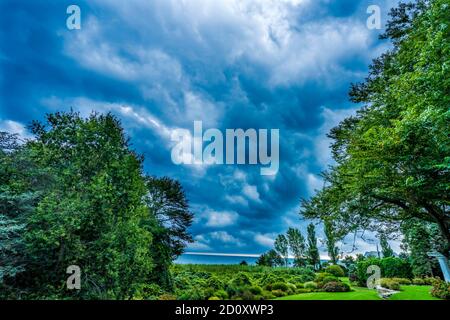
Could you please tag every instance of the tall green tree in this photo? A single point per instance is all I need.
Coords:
(297, 246)
(420, 239)
(270, 259)
(169, 220)
(282, 247)
(331, 240)
(312, 252)
(386, 249)
(393, 157)
(17, 201)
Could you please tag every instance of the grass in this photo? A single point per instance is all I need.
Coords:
(359, 293)
(414, 293)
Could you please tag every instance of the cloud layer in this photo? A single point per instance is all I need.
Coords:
(160, 65)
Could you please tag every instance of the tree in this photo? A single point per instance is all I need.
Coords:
(419, 239)
(348, 261)
(282, 247)
(312, 252)
(76, 195)
(393, 157)
(386, 249)
(297, 245)
(331, 239)
(16, 204)
(169, 218)
(270, 259)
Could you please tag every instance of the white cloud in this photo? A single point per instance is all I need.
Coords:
(223, 236)
(330, 118)
(236, 200)
(15, 128)
(251, 192)
(266, 240)
(220, 218)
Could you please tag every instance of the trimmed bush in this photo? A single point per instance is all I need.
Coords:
(390, 284)
(336, 286)
(303, 291)
(278, 293)
(335, 270)
(403, 281)
(280, 286)
(310, 285)
(441, 289)
(418, 282)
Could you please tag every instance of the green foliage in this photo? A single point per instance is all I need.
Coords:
(441, 289)
(418, 282)
(390, 268)
(297, 245)
(335, 270)
(237, 282)
(310, 285)
(419, 239)
(331, 239)
(386, 249)
(312, 251)
(393, 157)
(76, 195)
(390, 284)
(270, 259)
(281, 245)
(336, 286)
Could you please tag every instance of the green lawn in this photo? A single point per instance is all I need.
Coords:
(358, 293)
(414, 293)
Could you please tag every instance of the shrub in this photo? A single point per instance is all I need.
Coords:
(280, 286)
(241, 279)
(310, 285)
(390, 284)
(214, 283)
(322, 275)
(222, 294)
(214, 298)
(267, 295)
(441, 289)
(403, 281)
(430, 280)
(418, 282)
(278, 293)
(335, 270)
(391, 267)
(256, 290)
(167, 296)
(147, 291)
(336, 286)
(303, 290)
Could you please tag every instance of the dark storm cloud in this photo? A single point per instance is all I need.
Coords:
(161, 65)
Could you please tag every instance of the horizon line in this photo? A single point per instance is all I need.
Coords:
(244, 255)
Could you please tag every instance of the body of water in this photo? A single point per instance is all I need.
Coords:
(201, 258)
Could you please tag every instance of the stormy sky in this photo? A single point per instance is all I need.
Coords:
(163, 64)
